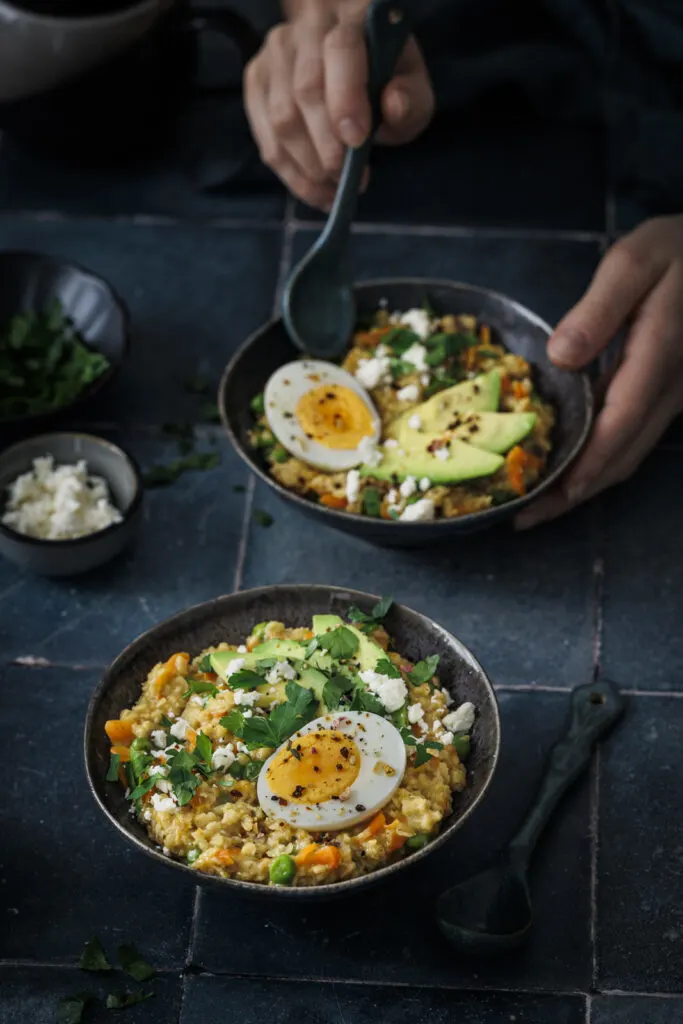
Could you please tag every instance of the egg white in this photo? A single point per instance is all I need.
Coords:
(377, 740)
(282, 392)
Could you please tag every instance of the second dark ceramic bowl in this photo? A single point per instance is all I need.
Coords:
(519, 329)
(232, 618)
(31, 281)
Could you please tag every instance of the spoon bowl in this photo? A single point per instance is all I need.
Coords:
(489, 913)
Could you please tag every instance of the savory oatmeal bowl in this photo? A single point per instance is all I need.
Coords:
(300, 740)
(443, 416)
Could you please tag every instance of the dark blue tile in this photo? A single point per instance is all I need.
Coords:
(522, 602)
(194, 296)
(286, 1003)
(643, 647)
(625, 1009)
(490, 172)
(640, 883)
(389, 934)
(186, 553)
(66, 874)
(32, 994)
(547, 276)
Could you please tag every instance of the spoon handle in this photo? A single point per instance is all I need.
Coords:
(387, 28)
(594, 710)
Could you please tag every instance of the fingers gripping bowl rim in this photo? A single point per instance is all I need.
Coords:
(227, 618)
(521, 330)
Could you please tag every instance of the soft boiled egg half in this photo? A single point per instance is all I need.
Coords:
(320, 414)
(334, 772)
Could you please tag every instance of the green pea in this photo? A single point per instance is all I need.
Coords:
(282, 870)
(417, 842)
(192, 855)
(258, 406)
(279, 454)
(462, 746)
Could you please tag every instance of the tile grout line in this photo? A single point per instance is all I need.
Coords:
(188, 952)
(594, 832)
(589, 1009)
(460, 231)
(144, 220)
(244, 536)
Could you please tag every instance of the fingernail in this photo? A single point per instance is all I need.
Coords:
(399, 105)
(568, 347)
(351, 133)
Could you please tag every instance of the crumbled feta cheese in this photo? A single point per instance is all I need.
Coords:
(415, 713)
(391, 692)
(170, 714)
(159, 738)
(195, 699)
(392, 497)
(280, 672)
(438, 728)
(381, 351)
(421, 511)
(163, 803)
(147, 815)
(352, 486)
(164, 786)
(418, 321)
(447, 697)
(222, 757)
(410, 393)
(415, 423)
(391, 442)
(248, 713)
(373, 372)
(242, 649)
(442, 453)
(179, 729)
(242, 748)
(462, 719)
(59, 504)
(408, 487)
(416, 355)
(425, 484)
(446, 738)
(423, 726)
(245, 698)
(234, 666)
(368, 451)
(158, 769)
(425, 379)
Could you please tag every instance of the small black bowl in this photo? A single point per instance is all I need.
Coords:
(31, 281)
(232, 618)
(519, 329)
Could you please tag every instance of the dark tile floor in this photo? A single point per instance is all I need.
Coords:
(600, 592)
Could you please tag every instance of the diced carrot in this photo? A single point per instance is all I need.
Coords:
(119, 731)
(520, 389)
(485, 334)
(226, 857)
(123, 752)
(177, 665)
(306, 855)
(333, 501)
(375, 826)
(396, 840)
(515, 462)
(329, 856)
(207, 677)
(505, 384)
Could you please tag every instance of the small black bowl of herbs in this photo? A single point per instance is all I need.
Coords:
(64, 332)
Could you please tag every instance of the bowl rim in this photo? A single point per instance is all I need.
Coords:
(96, 385)
(453, 824)
(64, 544)
(339, 516)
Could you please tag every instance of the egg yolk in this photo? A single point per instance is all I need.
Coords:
(314, 768)
(334, 416)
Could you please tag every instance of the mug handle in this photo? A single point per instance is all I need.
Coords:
(232, 26)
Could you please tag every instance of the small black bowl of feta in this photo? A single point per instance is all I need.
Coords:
(70, 502)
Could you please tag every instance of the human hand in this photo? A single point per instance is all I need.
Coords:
(638, 284)
(306, 97)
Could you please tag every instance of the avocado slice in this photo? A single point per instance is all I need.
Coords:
(279, 649)
(491, 431)
(481, 394)
(313, 680)
(465, 462)
(368, 653)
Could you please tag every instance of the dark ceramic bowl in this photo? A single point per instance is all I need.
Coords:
(230, 619)
(71, 557)
(31, 281)
(519, 329)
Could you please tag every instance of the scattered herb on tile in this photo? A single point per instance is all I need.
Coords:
(121, 1000)
(183, 434)
(93, 957)
(424, 671)
(70, 1008)
(199, 686)
(113, 770)
(197, 384)
(163, 474)
(263, 518)
(209, 412)
(134, 964)
(339, 643)
(238, 488)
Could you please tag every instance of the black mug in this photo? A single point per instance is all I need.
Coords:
(125, 106)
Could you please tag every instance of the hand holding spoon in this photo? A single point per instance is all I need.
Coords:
(491, 912)
(318, 305)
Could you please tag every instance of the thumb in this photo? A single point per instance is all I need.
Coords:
(618, 286)
(408, 100)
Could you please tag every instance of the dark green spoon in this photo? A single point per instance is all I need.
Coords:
(491, 912)
(318, 304)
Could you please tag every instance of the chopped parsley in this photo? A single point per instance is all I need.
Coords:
(70, 1008)
(424, 671)
(132, 963)
(93, 957)
(333, 691)
(245, 679)
(113, 770)
(258, 405)
(143, 788)
(387, 668)
(369, 622)
(284, 719)
(339, 643)
(120, 1000)
(399, 340)
(204, 664)
(372, 501)
(423, 751)
(251, 770)
(263, 518)
(364, 700)
(199, 686)
(197, 384)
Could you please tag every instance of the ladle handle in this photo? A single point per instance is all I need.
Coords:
(594, 710)
(387, 28)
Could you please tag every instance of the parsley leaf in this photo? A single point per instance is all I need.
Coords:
(263, 518)
(461, 742)
(233, 722)
(70, 1008)
(166, 721)
(424, 671)
(245, 679)
(339, 642)
(113, 771)
(399, 340)
(372, 502)
(132, 963)
(382, 607)
(284, 719)
(203, 752)
(93, 957)
(181, 777)
(196, 384)
(252, 769)
(364, 700)
(387, 668)
(369, 622)
(312, 647)
(423, 751)
(199, 686)
(333, 691)
(144, 787)
(120, 1000)
(205, 664)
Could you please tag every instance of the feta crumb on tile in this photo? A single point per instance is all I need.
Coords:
(373, 372)
(415, 423)
(391, 692)
(415, 713)
(416, 355)
(422, 511)
(408, 487)
(410, 393)
(462, 719)
(159, 738)
(352, 486)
